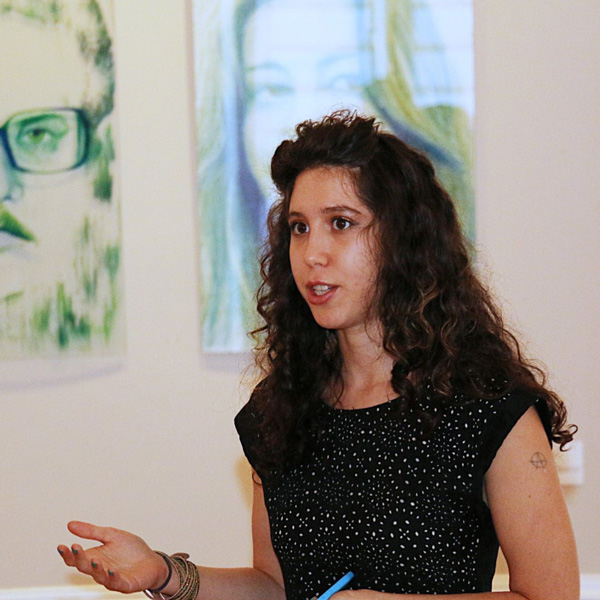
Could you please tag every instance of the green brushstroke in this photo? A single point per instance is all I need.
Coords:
(41, 317)
(70, 326)
(14, 227)
(112, 259)
(13, 297)
(102, 153)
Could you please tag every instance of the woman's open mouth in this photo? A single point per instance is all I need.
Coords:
(320, 293)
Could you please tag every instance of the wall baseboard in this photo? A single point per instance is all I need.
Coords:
(590, 586)
(73, 592)
(590, 590)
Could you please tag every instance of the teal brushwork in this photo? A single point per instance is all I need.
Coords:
(262, 66)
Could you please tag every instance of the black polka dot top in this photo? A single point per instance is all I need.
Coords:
(405, 514)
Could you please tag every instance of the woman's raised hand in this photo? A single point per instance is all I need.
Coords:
(122, 562)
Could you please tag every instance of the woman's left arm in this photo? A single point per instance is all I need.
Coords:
(530, 515)
(531, 520)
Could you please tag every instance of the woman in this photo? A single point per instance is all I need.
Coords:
(397, 432)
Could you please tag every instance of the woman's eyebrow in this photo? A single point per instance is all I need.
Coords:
(341, 208)
(338, 208)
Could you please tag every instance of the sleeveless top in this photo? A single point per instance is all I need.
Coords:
(405, 514)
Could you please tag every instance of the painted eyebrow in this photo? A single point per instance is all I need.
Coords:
(266, 66)
(363, 51)
(340, 208)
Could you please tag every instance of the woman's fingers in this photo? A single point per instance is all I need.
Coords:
(113, 581)
(102, 575)
(90, 563)
(82, 560)
(66, 554)
(109, 577)
(91, 532)
(121, 561)
(71, 555)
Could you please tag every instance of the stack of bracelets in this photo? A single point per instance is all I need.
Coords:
(189, 579)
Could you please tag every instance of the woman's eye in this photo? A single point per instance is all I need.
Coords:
(298, 228)
(340, 223)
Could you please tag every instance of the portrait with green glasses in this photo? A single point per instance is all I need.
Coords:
(60, 283)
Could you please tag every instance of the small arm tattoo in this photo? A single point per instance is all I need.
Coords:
(538, 460)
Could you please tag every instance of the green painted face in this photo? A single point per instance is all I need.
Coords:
(59, 223)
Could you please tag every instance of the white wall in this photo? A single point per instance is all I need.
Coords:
(149, 445)
(538, 143)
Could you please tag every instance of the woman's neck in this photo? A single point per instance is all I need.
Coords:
(367, 369)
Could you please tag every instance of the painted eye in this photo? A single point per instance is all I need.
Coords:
(340, 223)
(270, 92)
(42, 133)
(298, 228)
(36, 136)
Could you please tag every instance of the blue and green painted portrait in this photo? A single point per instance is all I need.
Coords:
(262, 66)
(60, 284)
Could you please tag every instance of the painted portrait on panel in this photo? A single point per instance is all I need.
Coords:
(263, 66)
(60, 287)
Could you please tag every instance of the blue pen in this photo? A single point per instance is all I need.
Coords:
(336, 587)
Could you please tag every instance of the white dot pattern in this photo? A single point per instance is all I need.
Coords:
(406, 515)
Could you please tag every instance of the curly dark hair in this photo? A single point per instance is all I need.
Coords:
(440, 323)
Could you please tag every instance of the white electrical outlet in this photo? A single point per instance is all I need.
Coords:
(570, 464)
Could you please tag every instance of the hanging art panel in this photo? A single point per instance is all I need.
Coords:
(262, 66)
(60, 277)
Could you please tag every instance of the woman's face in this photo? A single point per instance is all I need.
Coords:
(331, 249)
(302, 59)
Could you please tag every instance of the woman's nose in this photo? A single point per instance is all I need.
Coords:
(317, 250)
